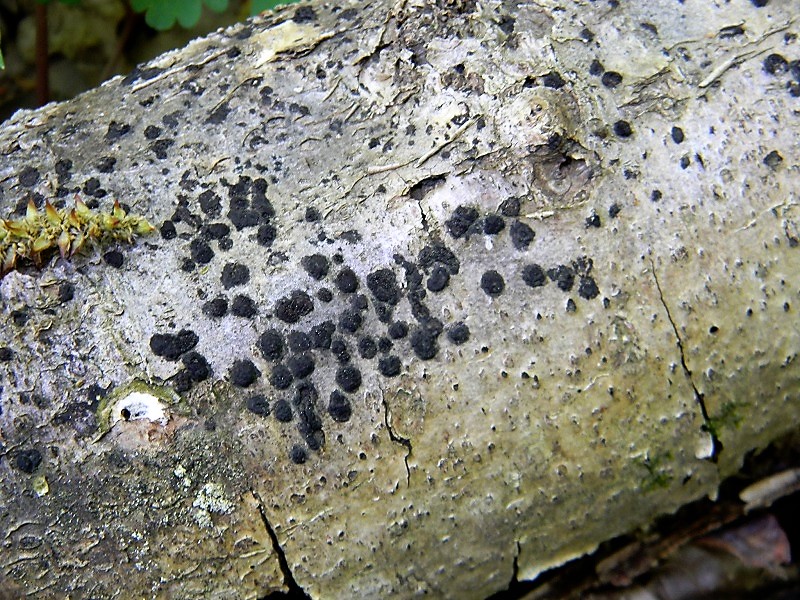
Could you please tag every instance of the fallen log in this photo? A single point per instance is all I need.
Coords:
(439, 295)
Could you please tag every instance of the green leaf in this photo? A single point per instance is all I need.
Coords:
(216, 5)
(258, 6)
(162, 14)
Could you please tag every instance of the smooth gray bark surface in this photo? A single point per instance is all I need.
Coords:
(532, 269)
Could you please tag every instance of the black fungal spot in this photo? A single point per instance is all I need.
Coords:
(348, 378)
(596, 68)
(510, 207)
(27, 461)
(564, 277)
(458, 333)
(389, 366)
(359, 302)
(298, 454)
(614, 210)
(587, 288)
(677, 135)
(350, 321)
(219, 114)
(66, 292)
(493, 224)
(243, 306)
(282, 411)
(423, 341)
(160, 147)
(243, 218)
(521, 235)
(301, 365)
(315, 265)
(200, 251)
(116, 130)
(63, 167)
(152, 132)
(215, 231)
(324, 295)
(168, 231)
(290, 309)
(533, 275)
(171, 346)
(20, 317)
(234, 274)
(656, 195)
(571, 307)
(611, 79)
(304, 14)
(339, 407)
(299, 341)
(553, 80)
(181, 382)
(383, 285)
(6, 354)
(281, 377)
(114, 258)
(312, 214)
(266, 235)
(492, 283)
(346, 281)
(398, 330)
(775, 64)
(463, 218)
(271, 345)
(623, 129)
(383, 312)
(321, 335)
(384, 345)
(28, 176)
(216, 308)
(210, 203)
(305, 397)
(196, 366)
(439, 279)
(92, 187)
(367, 348)
(340, 351)
(593, 220)
(243, 373)
(258, 405)
(434, 254)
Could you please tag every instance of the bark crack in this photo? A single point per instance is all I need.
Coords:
(398, 439)
(295, 591)
(716, 445)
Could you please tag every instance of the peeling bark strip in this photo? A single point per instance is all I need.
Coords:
(443, 294)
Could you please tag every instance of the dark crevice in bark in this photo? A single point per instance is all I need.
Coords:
(716, 448)
(295, 591)
(398, 439)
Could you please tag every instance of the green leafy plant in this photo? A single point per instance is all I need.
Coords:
(162, 14)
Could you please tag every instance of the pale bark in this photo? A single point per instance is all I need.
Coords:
(566, 418)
